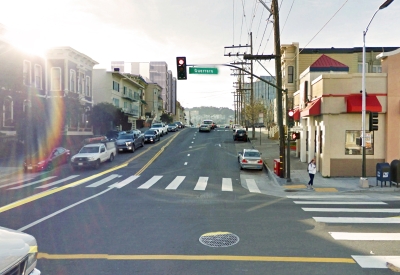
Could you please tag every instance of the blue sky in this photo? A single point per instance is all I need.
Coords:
(161, 30)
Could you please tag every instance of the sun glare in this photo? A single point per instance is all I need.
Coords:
(26, 42)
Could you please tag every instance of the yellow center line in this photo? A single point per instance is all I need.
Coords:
(76, 183)
(196, 258)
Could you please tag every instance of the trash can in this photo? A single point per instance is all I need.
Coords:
(383, 173)
(277, 166)
(395, 172)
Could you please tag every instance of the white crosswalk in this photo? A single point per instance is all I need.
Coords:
(365, 261)
(119, 181)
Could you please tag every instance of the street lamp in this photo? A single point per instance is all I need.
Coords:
(363, 108)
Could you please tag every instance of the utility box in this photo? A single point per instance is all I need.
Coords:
(277, 166)
(395, 172)
(383, 173)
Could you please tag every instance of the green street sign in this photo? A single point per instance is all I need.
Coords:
(197, 70)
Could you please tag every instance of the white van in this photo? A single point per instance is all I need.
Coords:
(209, 122)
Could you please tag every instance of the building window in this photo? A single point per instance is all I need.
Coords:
(72, 79)
(8, 112)
(351, 147)
(38, 76)
(87, 86)
(290, 74)
(27, 73)
(116, 102)
(115, 86)
(56, 79)
(359, 69)
(125, 90)
(376, 69)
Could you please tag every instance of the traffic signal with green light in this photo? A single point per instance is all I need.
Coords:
(181, 67)
(373, 121)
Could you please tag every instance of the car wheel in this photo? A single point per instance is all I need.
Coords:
(97, 164)
(50, 166)
(142, 144)
(73, 168)
(133, 148)
(111, 158)
(241, 168)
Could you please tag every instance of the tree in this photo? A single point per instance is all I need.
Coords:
(105, 116)
(252, 112)
(166, 118)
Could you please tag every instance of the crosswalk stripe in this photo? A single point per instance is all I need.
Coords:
(175, 183)
(376, 261)
(105, 180)
(227, 184)
(355, 220)
(32, 183)
(342, 202)
(201, 184)
(150, 182)
(124, 182)
(15, 182)
(57, 182)
(365, 236)
(252, 186)
(353, 210)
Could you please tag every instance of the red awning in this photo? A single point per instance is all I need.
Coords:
(296, 115)
(354, 104)
(313, 108)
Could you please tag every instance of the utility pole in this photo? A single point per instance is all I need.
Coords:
(253, 134)
(278, 70)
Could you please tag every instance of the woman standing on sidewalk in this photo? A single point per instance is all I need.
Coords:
(312, 169)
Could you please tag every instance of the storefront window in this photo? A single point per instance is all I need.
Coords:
(351, 147)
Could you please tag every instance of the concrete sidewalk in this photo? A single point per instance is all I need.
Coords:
(299, 175)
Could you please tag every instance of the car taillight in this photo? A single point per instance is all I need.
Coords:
(260, 161)
(244, 160)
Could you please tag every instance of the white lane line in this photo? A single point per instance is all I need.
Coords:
(32, 183)
(124, 182)
(150, 182)
(376, 261)
(188, 155)
(57, 182)
(190, 146)
(201, 184)
(175, 183)
(194, 138)
(192, 142)
(353, 210)
(227, 184)
(341, 202)
(252, 186)
(355, 220)
(365, 236)
(107, 179)
(62, 210)
(15, 182)
(329, 197)
(185, 163)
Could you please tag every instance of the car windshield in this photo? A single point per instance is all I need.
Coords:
(125, 137)
(252, 154)
(148, 132)
(241, 131)
(91, 149)
(174, 125)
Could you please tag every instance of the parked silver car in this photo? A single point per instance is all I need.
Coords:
(250, 159)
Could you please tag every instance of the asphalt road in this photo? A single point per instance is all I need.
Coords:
(183, 206)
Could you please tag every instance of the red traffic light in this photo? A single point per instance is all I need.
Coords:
(181, 67)
(295, 136)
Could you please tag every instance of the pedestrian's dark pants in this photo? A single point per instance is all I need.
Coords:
(311, 182)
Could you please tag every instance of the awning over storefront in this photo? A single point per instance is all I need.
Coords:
(296, 114)
(143, 102)
(313, 108)
(354, 104)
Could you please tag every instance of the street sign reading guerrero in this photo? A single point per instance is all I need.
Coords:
(197, 70)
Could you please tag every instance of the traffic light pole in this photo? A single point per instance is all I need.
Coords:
(288, 140)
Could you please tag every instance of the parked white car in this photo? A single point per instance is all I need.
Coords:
(160, 126)
(92, 155)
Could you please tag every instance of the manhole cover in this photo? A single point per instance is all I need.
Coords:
(219, 239)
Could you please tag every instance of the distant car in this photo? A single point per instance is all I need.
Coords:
(236, 126)
(160, 126)
(92, 155)
(113, 134)
(240, 134)
(129, 142)
(180, 124)
(151, 136)
(209, 122)
(205, 128)
(250, 159)
(41, 161)
(172, 127)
